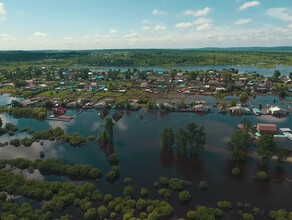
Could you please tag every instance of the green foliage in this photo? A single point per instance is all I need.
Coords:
(113, 159)
(184, 196)
(203, 185)
(165, 193)
(107, 198)
(176, 184)
(247, 216)
(10, 127)
(238, 146)
(262, 176)
(128, 191)
(127, 181)
(280, 214)
(56, 167)
(181, 141)
(224, 205)
(203, 212)
(18, 112)
(267, 148)
(102, 211)
(91, 138)
(113, 173)
(15, 142)
(235, 171)
(144, 192)
(27, 142)
(243, 97)
(106, 136)
(167, 139)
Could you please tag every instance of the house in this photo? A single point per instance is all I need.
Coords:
(92, 86)
(219, 89)
(239, 110)
(57, 111)
(276, 111)
(144, 84)
(267, 129)
(102, 87)
(201, 108)
(98, 77)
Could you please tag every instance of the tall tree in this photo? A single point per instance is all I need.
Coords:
(267, 148)
(192, 131)
(1, 122)
(238, 146)
(200, 141)
(181, 141)
(167, 139)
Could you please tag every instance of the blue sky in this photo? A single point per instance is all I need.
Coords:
(106, 24)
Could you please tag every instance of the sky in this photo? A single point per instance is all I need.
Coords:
(121, 24)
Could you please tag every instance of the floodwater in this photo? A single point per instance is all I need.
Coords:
(137, 143)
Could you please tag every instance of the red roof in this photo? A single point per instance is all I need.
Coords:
(267, 127)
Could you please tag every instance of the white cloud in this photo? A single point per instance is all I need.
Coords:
(204, 27)
(146, 21)
(131, 34)
(39, 34)
(183, 25)
(6, 37)
(113, 31)
(189, 12)
(248, 5)
(145, 28)
(242, 21)
(284, 14)
(202, 21)
(198, 13)
(157, 12)
(2, 12)
(160, 27)
(202, 12)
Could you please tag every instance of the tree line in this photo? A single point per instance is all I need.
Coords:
(192, 136)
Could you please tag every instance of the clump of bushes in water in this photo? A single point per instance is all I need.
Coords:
(203, 185)
(203, 212)
(262, 176)
(184, 196)
(27, 142)
(175, 184)
(75, 140)
(113, 159)
(113, 173)
(247, 216)
(224, 205)
(56, 167)
(235, 171)
(15, 142)
(91, 138)
(280, 214)
(37, 113)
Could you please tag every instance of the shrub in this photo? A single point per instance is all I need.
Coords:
(247, 216)
(184, 196)
(262, 176)
(224, 205)
(144, 192)
(176, 184)
(203, 185)
(113, 159)
(15, 142)
(128, 191)
(235, 171)
(127, 181)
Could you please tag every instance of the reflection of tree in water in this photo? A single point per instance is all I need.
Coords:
(107, 148)
(191, 168)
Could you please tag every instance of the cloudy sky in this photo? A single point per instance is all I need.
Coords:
(105, 24)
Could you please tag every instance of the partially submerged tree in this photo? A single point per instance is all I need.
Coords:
(238, 146)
